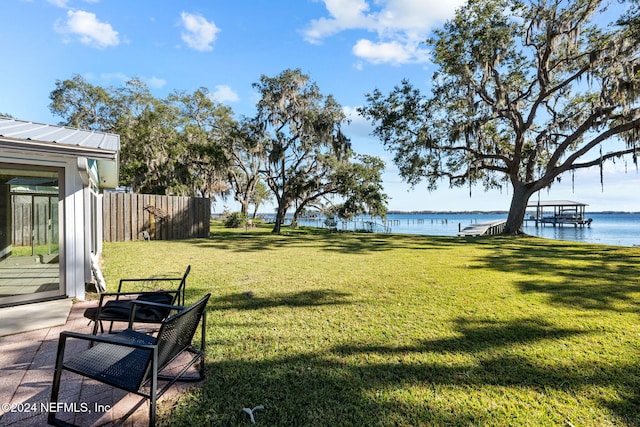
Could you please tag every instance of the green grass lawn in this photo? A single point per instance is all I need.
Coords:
(338, 329)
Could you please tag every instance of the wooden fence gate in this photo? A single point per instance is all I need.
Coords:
(128, 216)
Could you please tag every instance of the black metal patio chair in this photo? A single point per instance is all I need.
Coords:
(133, 361)
(116, 306)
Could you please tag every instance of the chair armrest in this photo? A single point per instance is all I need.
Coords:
(115, 294)
(131, 293)
(103, 339)
(136, 302)
(148, 279)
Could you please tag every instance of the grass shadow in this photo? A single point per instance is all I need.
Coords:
(583, 276)
(364, 384)
(479, 335)
(260, 239)
(250, 301)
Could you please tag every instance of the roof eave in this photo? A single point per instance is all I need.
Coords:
(57, 148)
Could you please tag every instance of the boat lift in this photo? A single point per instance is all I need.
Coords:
(559, 213)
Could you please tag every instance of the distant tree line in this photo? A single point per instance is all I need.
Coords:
(293, 150)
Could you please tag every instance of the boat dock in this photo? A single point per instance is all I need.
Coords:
(484, 229)
(559, 213)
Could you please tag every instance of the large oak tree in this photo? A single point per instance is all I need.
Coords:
(169, 146)
(524, 92)
(245, 149)
(307, 157)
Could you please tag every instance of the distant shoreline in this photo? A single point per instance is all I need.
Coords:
(476, 212)
(427, 212)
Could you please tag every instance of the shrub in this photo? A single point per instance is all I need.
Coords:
(235, 220)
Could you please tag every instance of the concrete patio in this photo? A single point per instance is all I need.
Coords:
(27, 362)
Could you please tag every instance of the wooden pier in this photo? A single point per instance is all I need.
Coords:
(491, 228)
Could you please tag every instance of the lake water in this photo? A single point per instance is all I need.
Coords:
(620, 229)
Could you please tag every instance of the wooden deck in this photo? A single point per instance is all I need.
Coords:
(486, 228)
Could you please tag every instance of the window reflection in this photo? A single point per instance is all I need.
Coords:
(29, 235)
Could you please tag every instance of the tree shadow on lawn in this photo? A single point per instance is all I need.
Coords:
(344, 242)
(249, 301)
(368, 384)
(480, 335)
(583, 276)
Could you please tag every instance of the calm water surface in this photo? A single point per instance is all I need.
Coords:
(620, 229)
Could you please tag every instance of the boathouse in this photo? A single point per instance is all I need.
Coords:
(559, 213)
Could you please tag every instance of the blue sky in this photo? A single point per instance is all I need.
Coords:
(348, 47)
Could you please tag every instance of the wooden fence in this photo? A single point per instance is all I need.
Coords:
(32, 218)
(128, 216)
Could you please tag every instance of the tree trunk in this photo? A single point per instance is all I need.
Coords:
(296, 214)
(244, 207)
(280, 216)
(518, 209)
(283, 202)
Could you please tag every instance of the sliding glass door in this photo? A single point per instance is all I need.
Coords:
(30, 238)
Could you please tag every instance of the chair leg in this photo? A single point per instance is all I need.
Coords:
(203, 341)
(95, 326)
(202, 368)
(152, 412)
(55, 387)
(95, 330)
(153, 395)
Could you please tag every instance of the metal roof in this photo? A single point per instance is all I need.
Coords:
(38, 132)
(547, 203)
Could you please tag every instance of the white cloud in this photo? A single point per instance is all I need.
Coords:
(200, 33)
(345, 14)
(116, 76)
(360, 131)
(119, 78)
(224, 94)
(89, 29)
(400, 26)
(65, 3)
(394, 52)
(420, 15)
(59, 3)
(356, 120)
(156, 82)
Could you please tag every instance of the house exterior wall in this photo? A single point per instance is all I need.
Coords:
(76, 260)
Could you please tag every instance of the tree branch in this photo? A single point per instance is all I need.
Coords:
(569, 163)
